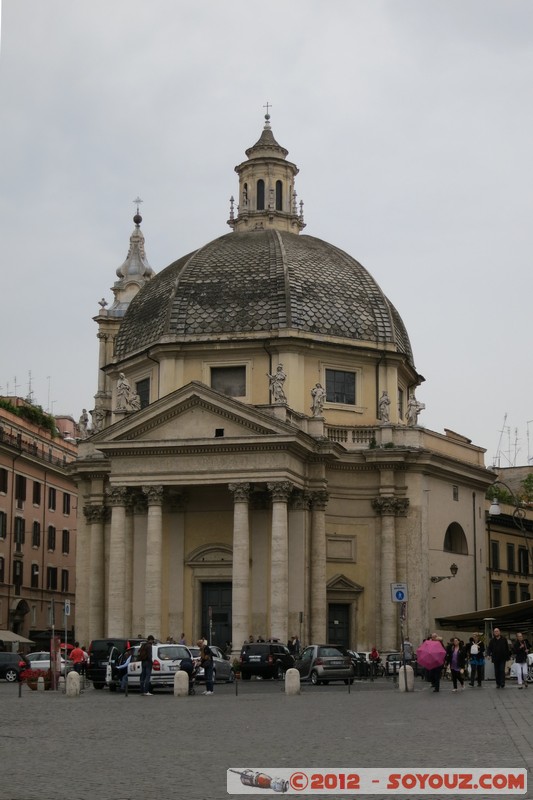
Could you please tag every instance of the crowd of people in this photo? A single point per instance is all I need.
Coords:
(466, 661)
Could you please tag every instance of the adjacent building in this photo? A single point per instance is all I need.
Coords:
(257, 462)
(38, 510)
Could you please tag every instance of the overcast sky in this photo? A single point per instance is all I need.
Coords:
(410, 121)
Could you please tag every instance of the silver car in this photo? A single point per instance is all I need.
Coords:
(222, 670)
(166, 662)
(322, 663)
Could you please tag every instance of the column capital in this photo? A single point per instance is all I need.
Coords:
(94, 514)
(241, 492)
(118, 496)
(300, 500)
(395, 506)
(280, 491)
(154, 495)
(319, 499)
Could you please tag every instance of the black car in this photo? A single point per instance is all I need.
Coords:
(265, 660)
(99, 651)
(11, 665)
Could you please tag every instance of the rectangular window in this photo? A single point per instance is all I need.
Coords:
(510, 559)
(512, 592)
(64, 580)
(3, 481)
(229, 380)
(36, 535)
(51, 578)
(65, 542)
(20, 490)
(455, 492)
(143, 390)
(51, 538)
(20, 532)
(340, 387)
(66, 503)
(524, 592)
(3, 524)
(523, 561)
(51, 499)
(495, 555)
(18, 572)
(34, 576)
(400, 403)
(2, 569)
(36, 493)
(496, 591)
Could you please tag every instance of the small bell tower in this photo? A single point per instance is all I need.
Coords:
(267, 197)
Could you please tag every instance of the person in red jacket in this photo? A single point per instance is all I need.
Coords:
(77, 656)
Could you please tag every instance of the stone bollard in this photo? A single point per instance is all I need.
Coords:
(61, 683)
(406, 679)
(73, 684)
(292, 682)
(40, 683)
(181, 684)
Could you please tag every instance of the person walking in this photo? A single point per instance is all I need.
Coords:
(476, 658)
(147, 659)
(498, 651)
(520, 650)
(456, 659)
(124, 677)
(206, 661)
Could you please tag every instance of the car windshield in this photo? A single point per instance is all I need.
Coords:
(195, 651)
(171, 652)
(324, 652)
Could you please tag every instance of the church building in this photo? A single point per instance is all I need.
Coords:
(256, 463)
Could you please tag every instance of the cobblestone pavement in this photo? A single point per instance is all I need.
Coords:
(106, 746)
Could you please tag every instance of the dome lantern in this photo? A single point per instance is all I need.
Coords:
(266, 188)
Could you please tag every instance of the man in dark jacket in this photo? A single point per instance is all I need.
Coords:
(498, 651)
(147, 659)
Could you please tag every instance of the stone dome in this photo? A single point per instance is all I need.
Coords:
(250, 283)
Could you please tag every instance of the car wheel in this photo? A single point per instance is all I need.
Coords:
(98, 685)
(246, 676)
(11, 675)
(280, 673)
(314, 678)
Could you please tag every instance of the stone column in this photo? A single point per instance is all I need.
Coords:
(96, 516)
(154, 561)
(102, 359)
(279, 560)
(117, 498)
(319, 606)
(240, 591)
(128, 566)
(388, 508)
(83, 567)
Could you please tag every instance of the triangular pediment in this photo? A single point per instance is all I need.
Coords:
(191, 414)
(340, 583)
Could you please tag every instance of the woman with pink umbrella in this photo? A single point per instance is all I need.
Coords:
(431, 655)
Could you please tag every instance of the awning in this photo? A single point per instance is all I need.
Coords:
(514, 617)
(9, 636)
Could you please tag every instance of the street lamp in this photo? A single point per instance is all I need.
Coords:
(454, 569)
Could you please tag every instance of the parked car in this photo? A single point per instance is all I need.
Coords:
(11, 665)
(322, 663)
(41, 660)
(166, 662)
(99, 650)
(222, 670)
(265, 660)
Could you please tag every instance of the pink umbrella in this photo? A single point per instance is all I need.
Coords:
(431, 654)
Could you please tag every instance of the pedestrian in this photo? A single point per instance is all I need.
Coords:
(456, 659)
(77, 656)
(182, 640)
(408, 651)
(187, 665)
(293, 646)
(498, 651)
(124, 678)
(476, 657)
(206, 661)
(520, 650)
(147, 659)
(435, 674)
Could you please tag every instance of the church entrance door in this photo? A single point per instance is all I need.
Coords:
(216, 613)
(339, 624)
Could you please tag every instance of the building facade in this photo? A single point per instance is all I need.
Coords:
(38, 511)
(256, 463)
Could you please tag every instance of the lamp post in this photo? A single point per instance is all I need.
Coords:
(454, 569)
